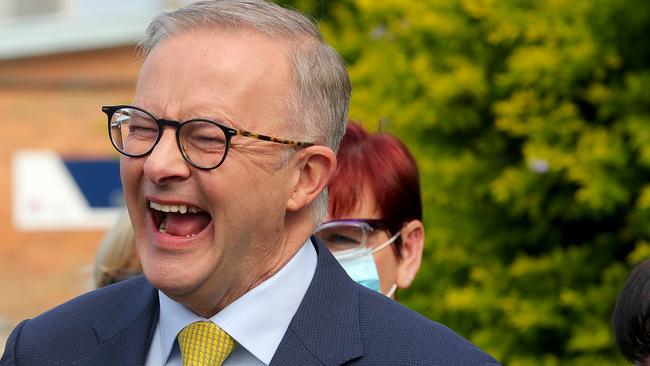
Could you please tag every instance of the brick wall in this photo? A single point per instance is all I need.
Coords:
(53, 102)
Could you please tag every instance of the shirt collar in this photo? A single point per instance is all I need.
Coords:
(259, 333)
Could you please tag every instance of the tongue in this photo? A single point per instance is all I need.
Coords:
(186, 224)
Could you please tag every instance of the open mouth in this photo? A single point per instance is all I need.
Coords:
(179, 220)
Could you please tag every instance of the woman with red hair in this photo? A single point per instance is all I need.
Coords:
(374, 225)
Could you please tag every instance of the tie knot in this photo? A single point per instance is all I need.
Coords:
(204, 344)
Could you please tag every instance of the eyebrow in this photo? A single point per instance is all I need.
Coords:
(198, 112)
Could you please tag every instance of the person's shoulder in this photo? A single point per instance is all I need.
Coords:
(90, 306)
(392, 331)
(64, 330)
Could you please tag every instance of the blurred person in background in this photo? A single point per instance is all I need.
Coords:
(116, 258)
(631, 316)
(374, 226)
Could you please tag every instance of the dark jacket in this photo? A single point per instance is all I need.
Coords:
(337, 322)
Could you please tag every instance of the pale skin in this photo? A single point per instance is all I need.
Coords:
(392, 269)
(260, 214)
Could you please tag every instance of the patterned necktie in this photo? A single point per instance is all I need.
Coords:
(204, 344)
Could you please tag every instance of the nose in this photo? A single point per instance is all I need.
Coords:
(165, 163)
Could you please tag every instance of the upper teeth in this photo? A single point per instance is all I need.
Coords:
(174, 208)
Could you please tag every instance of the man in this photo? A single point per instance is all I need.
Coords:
(223, 216)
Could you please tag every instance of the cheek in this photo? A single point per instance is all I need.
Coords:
(386, 266)
(130, 173)
(211, 190)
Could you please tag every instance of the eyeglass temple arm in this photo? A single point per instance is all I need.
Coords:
(273, 139)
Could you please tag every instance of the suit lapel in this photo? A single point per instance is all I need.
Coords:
(126, 329)
(325, 329)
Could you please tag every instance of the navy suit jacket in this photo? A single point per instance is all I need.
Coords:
(338, 322)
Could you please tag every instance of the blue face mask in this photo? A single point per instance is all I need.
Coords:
(360, 264)
(361, 267)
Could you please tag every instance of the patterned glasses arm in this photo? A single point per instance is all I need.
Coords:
(273, 139)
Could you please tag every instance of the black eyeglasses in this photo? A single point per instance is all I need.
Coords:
(203, 143)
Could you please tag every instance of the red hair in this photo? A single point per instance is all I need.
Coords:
(382, 164)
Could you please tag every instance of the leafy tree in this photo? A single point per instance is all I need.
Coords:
(530, 121)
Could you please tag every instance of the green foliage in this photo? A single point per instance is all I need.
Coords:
(530, 121)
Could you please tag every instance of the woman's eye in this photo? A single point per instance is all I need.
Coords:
(337, 243)
(342, 239)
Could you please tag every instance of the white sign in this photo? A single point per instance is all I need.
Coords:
(47, 197)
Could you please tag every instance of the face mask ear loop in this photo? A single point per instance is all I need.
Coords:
(392, 290)
(384, 245)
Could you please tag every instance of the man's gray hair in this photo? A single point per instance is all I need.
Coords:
(318, 106)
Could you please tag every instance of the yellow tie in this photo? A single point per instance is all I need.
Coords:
(204, 344)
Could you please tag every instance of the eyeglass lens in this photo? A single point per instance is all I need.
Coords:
(343, 237)
(134, 133)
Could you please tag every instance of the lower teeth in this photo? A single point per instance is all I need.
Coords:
(163, 228)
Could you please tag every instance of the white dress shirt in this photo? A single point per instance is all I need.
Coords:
(257, 321)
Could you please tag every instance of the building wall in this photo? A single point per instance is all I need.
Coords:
(53, 102)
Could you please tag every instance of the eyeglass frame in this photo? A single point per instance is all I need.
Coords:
(229, 132)
(372, 224)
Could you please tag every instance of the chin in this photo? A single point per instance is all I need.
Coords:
(172, 279)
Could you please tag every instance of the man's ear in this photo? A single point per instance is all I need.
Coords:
(412, 235)
(315, 166)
